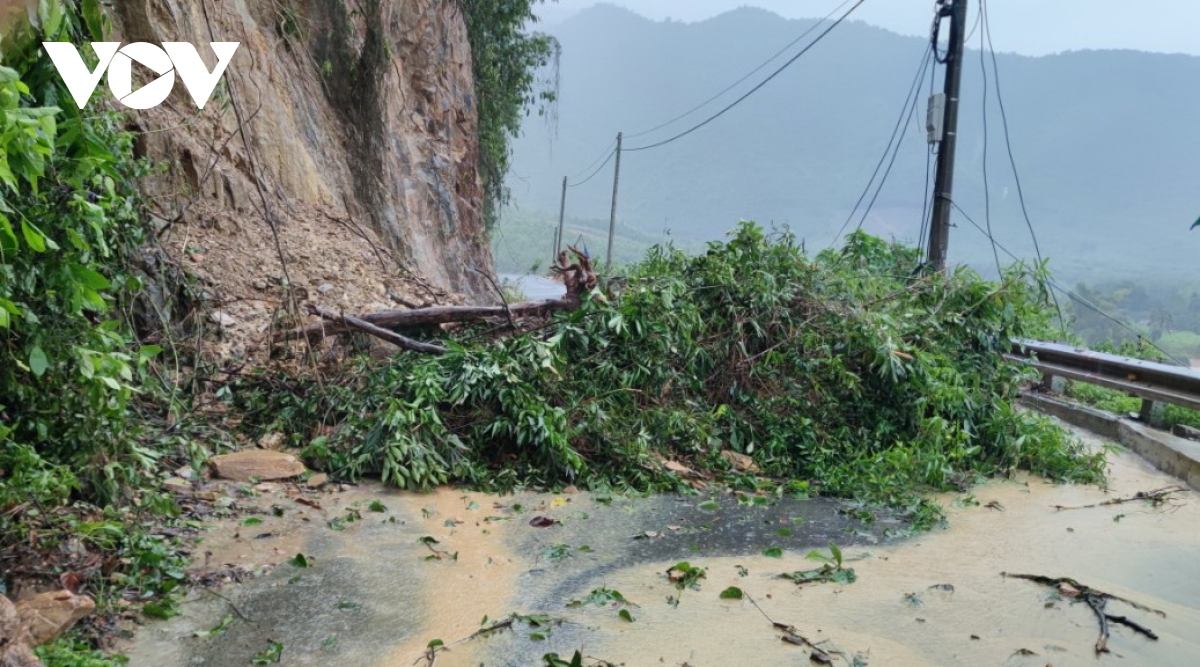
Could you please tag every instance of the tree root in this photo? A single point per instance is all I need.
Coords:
(1156, 498)
(1097, 601)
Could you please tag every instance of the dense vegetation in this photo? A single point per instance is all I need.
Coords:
(844, 374)
(75, 459)
(505, 61)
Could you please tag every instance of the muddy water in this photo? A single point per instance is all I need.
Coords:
(373, 598)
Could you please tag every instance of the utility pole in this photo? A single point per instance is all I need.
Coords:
(939, 225)
(562, 210)
(612, 217)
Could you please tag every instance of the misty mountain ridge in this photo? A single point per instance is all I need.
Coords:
(1106, 142)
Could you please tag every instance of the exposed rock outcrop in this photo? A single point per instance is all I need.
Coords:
(342, 140)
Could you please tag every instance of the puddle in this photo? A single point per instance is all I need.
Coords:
(373, 598)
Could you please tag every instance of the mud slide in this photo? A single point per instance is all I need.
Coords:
(383, 585)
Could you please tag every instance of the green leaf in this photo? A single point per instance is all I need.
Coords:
(377, 506)
(773, 552)
(89, 278)
(732, 593)
(218, 629)
(38, 363)
(435, 643)
(710, 506)
(269, 655)
(252, 521)
(94, 18)
(625, 616)
(33, 236)
(8, 238)
(300, 560)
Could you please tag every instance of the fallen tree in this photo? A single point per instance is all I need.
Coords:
(579, 278)
(845, 374)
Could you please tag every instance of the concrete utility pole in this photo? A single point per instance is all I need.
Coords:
(562, 210)
(939, 225)
(612, 217)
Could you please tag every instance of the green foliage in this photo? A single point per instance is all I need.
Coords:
(66, 652)
(69, 220)
(74, 467)
(842, 371)
(505, 59)
(831, 570)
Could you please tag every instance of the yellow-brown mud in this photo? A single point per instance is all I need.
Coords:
(893, 615)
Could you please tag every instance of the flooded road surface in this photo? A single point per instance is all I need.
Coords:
(378, 592)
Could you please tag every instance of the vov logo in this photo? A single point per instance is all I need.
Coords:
(117, 60)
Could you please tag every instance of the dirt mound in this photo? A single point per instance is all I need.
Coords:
(336, 162)
(329, 259)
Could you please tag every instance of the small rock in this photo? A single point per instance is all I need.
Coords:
(325, 288)
(186, 472)
(571, 489)
(177, 485)
(48, 615)
(266, 488)
(739, 461)
(258, 464)
(272, 440)
(317, 481)
(222, 318)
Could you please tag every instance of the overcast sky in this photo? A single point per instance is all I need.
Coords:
(1032, 27)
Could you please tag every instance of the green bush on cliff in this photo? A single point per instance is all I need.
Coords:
(505, 58)
(845, 372)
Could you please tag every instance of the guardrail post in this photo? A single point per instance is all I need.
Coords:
(1057, 384)
(1152, 413)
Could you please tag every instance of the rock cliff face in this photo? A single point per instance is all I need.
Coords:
(337, 159)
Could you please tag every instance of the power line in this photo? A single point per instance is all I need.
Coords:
(987, 30)
(595, 171)
(749, 74)
(928, 195)
(987, 190)
(912, 110)
(755, 88)
(905, 113)
(1074, 296)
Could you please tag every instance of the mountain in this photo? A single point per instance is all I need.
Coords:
(1107, 143)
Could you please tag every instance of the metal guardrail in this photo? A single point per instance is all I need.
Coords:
(1156, 384)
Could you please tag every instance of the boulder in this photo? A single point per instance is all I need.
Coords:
(48, 615)
(256, 464)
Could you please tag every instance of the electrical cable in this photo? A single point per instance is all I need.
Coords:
(900, 121)
(595, 171)
(987, 30)
(1070, 293)
(926, 209)
(912, 110)
(591, 164)
(756, 88)
(987, 190)
(749, 74)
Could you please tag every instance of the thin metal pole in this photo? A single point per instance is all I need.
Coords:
(562, 210)
(612, 218)
(939, 225)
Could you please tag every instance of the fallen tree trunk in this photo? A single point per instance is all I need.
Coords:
(405, 319)
(578, 277)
